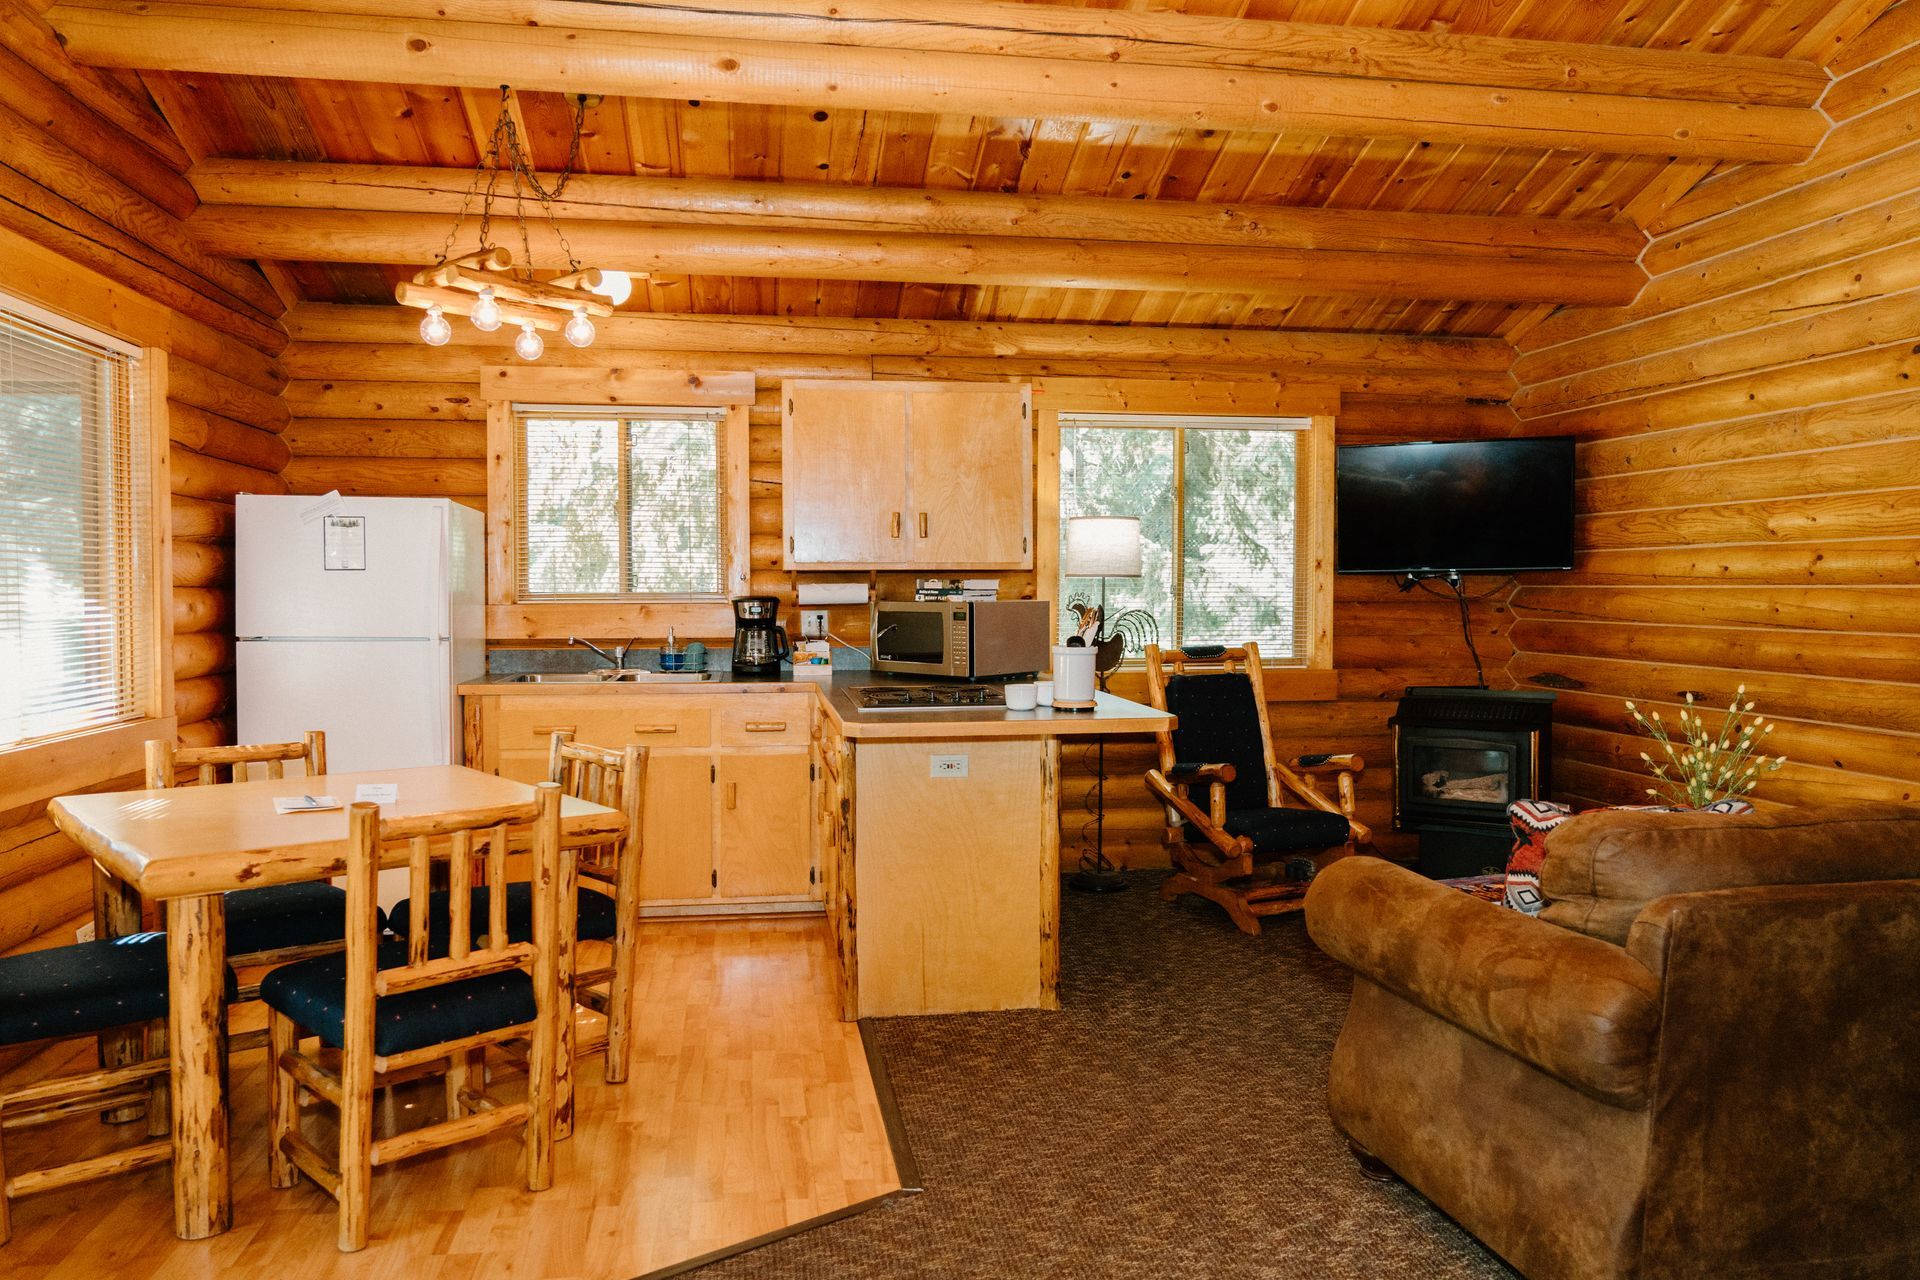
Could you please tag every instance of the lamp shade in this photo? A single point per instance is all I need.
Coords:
(1103, 547)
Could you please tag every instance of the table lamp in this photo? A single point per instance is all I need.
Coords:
(1101, 547)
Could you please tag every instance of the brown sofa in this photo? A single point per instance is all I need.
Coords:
(1703, 1060)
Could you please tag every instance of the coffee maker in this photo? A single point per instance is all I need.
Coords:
(759, 642)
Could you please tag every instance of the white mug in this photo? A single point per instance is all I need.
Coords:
(1043, 693)
(1022, 697)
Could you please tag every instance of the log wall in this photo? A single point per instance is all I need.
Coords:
(91, 200)
(1750, 481)
(375, 412)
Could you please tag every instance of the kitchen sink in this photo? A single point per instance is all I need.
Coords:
(607, 677)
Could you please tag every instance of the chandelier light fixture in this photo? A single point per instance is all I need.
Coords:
(484, 285)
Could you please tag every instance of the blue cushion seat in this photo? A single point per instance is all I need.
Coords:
(1275, 831)
(314, 994)
(84, 988)
(285, 915)
(595, 917)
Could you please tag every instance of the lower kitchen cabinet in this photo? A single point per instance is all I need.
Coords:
(765, 814)
(729, 798)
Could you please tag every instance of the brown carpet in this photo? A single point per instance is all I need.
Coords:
(1170, 1122)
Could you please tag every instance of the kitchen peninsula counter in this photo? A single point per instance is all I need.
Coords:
(836, 699)
(936, 832)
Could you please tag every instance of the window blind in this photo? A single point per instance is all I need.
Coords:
(75, 547)
(1223, 523)
(620, 505)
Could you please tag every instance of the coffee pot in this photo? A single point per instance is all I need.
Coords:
(759, 641)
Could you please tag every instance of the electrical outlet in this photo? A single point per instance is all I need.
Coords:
(84, 933)
(813, 624)
(947, 767)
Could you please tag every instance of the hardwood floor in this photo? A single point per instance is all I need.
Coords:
(748, 1108)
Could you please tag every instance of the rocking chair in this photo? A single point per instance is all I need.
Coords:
(1266, 827)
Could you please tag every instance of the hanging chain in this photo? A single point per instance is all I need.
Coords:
(504, 143)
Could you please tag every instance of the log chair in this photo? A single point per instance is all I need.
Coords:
(1267, 826)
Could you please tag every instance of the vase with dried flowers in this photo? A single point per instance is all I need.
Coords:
(1705, 764)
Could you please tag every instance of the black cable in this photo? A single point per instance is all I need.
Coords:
(1466, 629)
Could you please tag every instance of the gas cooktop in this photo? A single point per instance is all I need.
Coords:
(929, 697)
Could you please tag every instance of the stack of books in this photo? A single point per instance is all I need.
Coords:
(957, 589)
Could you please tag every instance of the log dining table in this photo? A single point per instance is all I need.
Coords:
(186, 847)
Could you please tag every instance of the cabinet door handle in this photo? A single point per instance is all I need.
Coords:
(656, 728)
(893, 528)
(733, 795)
(766, 726)
(923, 524)
(548, 730)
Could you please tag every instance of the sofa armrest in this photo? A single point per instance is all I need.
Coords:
(1582, 1010)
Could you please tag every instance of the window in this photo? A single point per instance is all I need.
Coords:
(76, 557)
(620, 506)
(1223, 524)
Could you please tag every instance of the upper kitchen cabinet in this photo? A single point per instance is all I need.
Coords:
(897, 475)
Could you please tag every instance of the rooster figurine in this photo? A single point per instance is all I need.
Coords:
(1131, 630)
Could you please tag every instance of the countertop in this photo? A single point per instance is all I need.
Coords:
(1110, 714)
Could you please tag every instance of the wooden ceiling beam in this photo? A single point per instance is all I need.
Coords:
(958, 339)
(332, 235)
(831, 207)
(1162, 38)
(282, 41)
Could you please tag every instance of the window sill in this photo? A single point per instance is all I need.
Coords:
(39, 771)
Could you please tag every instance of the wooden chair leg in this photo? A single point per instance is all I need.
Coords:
(620, 1009)
(356, 1146)
(160, 1091)
(283, 1100)
(456, 1083)
(6, 1206)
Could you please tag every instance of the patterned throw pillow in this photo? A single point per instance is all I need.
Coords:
(1533, 820)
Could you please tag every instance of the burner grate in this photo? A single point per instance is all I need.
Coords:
(928, 697)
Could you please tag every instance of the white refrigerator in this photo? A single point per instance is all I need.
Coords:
(359, 617)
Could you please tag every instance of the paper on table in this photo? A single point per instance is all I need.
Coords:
(376, 793)
(304, 804)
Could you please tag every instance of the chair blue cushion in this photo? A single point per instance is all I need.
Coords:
(285, 915)
(314, 994)
(85, 988)
(1220, 724)
(595, 918)
(1288, 830)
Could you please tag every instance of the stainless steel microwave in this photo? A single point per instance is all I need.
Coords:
(969, 639)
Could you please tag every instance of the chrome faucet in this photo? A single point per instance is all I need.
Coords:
(618, 658)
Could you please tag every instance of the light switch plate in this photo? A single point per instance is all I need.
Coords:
(813, 624)
(947, 767)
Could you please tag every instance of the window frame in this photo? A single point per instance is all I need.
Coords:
(624, 422)
(600, 392)
(1309, 679)
(85, 757)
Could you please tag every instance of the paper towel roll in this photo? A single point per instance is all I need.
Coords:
(833, 593)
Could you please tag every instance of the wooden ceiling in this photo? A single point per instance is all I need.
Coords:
(290, 119)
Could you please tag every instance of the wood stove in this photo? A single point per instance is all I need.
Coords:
(1460, 756)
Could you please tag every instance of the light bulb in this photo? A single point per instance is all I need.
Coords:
(486, 312)
(615, 286)
(528, 345)
(579, 330)
(434, 329)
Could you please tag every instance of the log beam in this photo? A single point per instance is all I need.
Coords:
(281, 41)
(959, 339)
(1164, 38)
(326, 235)
(836, 207)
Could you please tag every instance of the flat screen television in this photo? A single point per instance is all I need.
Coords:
(1494, 506)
